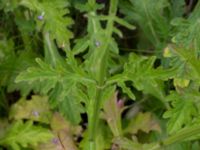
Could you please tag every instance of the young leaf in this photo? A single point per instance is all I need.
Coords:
(112, 113)
(188, 62)
(126, 90)
(51, 15)
(187, 30)
(145, 77)
(81, 45)
(182, 112)
(124, 23)
(24, 134)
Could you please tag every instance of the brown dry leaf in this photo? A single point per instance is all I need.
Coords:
(64, 135)
(64, 131)
(66, 140)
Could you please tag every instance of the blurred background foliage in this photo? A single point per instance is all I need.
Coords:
(49, 52)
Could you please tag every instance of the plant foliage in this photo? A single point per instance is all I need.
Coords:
(97, 74)
(24, 134)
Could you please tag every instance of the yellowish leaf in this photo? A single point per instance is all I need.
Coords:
(36, 109)
(181, 83)
(144, 122)
(167, 53)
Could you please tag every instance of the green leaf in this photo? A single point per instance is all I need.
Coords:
(178, 7)
(140, 70)
(187, 30)
(113, 46)
(152, 21)
(126, 90)
(9, 5)
(81, 46)
(44, 73)
(103, 139)
(24, 134)
(187, 133)
(53, 19)
(12, 64)
(179, 146)
(118, 32)
(61, 82)
(188, 62)
(182, 112)
(124, 23)
(71, 108)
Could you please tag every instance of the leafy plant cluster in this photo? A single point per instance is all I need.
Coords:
(99, 75)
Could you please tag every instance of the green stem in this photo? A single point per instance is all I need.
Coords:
(182, 135)
(51, 54)
(19, 15)
(101, 74)
(179, 137)
(94, 120)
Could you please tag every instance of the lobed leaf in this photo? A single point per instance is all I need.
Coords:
(182, 112)
(52, 17)
(36, 109)
(24, 134)
(151, 19)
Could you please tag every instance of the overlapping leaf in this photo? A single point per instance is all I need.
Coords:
(149, 16)
(182, 112)
(24, 134)
(187, 30)
(12, 64)
(51, 15)
(61, 83)
(187, 61)
(141, 71)
(103, 139)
